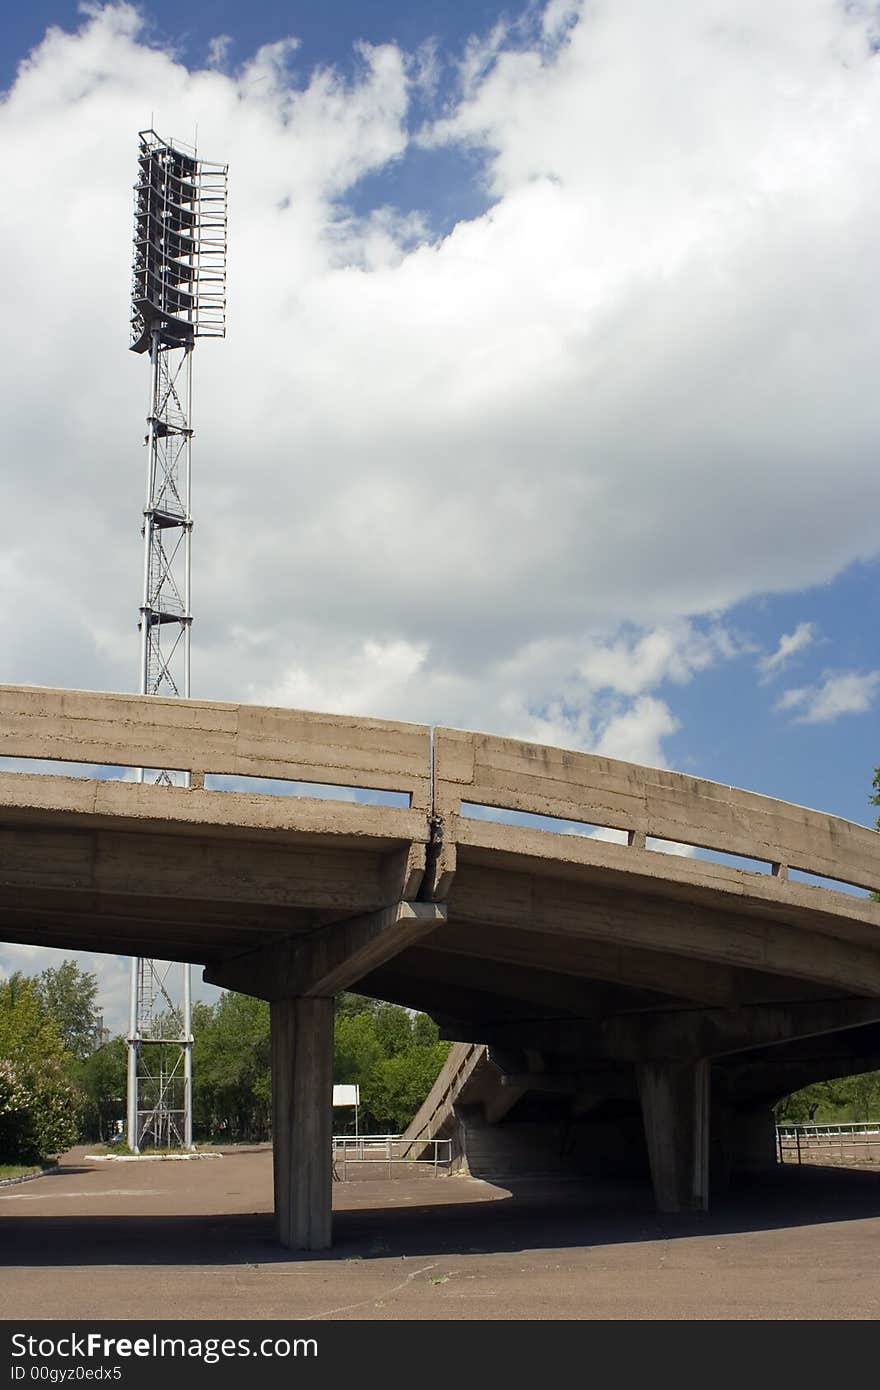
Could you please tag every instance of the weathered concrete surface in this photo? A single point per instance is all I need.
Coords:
(331, 959)
(675, 1099)
(210, 737)
(302, 1085)
(578, 960)
(506, 773)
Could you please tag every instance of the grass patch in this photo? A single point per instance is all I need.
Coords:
(19, 1170)
(123, 1151)
(173, 1149)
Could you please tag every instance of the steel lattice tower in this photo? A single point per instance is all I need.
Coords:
(178, 295)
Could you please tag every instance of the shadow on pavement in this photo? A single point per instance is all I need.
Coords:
(535, 1216)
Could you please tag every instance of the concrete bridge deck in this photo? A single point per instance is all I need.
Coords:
(608, 980)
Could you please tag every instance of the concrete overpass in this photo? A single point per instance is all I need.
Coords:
(608, 980)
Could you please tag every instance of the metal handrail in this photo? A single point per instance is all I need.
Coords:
(829, 1127)
(390, 1149)
(828, 1139)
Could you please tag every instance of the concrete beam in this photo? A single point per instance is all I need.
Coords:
(675, 1110)
(302, 1124)
(597, 1082)
(404, 871)
(484, 993)
(860, 1041)
(197, 869)
(719, 1032)
(767, 1082)
(324, 962)
(539, 948)
(555, 992)
(675, 1035)
(433, 997)
(502, 1102)
(839, 954)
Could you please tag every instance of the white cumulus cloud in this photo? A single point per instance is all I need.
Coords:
(840, 692)
(790, 645)
(511, 477)
(218, 50)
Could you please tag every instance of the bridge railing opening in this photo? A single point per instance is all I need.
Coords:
(260, 786)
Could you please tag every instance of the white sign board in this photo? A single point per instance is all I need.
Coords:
(346, 1095)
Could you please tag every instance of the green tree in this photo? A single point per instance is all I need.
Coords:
(39, 1107)
(69, 996)
(860, 1095)
(103, 1080)
(393, 1057)
(396, 1087)
(15, 1101)
(425, 1032)
(393, 1029)
(803, 1106)
(356, 1049)
(843, 1100)
(231, 1085)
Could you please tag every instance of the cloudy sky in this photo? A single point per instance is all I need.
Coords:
(548, 404)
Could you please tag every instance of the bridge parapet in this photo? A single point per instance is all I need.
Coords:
(205, 738)
(507, 774)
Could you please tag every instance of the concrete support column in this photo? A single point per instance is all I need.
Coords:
(675, 1110)
(302, 1110)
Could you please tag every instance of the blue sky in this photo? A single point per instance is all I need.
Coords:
(327, 31)
(548, 402)
(328, 35)
(729, 721)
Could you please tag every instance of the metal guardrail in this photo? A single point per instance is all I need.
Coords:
(817, 1131)
(857, 1142)
(390, 1150)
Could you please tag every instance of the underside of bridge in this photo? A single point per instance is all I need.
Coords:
(519, 1115)
(609, 1059)
(639, 1007)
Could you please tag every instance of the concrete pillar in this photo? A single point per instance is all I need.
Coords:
(675, 1111)
(302, 1110)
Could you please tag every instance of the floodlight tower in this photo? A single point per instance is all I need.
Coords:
(178, 295)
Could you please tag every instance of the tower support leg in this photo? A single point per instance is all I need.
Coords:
(302, 1131)
(131, 1126)
(675, 1110)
